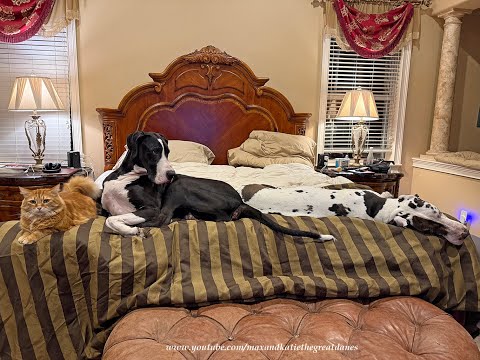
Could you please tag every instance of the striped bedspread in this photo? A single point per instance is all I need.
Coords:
(60, 298)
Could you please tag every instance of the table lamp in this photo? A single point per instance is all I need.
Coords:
(358, 105)
(32, 93)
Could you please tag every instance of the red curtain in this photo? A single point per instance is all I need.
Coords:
(373, 35)
(21, 19)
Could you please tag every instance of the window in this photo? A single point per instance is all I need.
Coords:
(49, 57)
(387, 77)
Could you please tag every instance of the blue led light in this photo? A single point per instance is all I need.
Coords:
(472, 215)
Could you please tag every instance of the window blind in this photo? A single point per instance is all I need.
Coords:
(348, 71)
(41, 57)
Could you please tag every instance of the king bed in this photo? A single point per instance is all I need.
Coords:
(62, 296)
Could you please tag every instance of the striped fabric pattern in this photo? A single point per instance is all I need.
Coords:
(60, 297)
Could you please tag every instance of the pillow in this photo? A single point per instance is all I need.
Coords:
(188, 151)
(238, 157)
(181, 151)
(266, 147)
(120, 159)
(275, 144)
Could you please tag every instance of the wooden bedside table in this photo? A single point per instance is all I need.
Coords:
(379, 182)
(10, 197)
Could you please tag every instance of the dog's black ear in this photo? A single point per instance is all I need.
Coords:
(428, 226)
(132, 143)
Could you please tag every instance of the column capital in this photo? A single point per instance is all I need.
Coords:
(453, 15)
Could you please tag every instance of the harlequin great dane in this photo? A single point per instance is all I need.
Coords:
(407, 210)
(145, 192)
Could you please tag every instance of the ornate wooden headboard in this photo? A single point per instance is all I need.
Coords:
(206, 96)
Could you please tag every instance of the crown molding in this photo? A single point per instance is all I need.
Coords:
(454, 9)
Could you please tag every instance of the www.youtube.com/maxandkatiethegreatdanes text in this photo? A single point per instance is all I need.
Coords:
(277, 347)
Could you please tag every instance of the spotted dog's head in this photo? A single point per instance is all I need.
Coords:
(149, 150)
(414, 212)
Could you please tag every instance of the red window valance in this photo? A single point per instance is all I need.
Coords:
(21, 19)
(373, 35)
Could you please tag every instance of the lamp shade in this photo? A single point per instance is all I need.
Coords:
(358, 105)
(34, 93)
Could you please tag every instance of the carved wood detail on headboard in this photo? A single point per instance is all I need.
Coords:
(207, 96)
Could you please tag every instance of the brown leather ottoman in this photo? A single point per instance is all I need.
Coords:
(392, 328)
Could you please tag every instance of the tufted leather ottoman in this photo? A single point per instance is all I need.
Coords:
(392, 328)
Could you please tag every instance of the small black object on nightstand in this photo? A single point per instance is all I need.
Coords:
(52, 167)
(381, 166)
(73, 158)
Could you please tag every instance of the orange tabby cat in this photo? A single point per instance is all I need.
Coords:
(45, 211)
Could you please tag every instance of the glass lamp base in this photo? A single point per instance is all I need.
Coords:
(36, 130)
(38, 164)
(359, 137)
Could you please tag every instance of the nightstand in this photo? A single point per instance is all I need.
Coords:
(379, 182)
(10, 197)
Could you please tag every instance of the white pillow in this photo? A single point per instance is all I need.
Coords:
(189, 151)
(120, 159)
(268, 147)
(181, 151)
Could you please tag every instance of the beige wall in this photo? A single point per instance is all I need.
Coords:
(117, 48)
(421, 96)
(451, 193)
(465, 135)
(279, 39)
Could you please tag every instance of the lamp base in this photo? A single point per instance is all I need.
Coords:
(38, 164)
(35, 130)
(359, 137)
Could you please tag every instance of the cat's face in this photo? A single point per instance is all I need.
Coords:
(41, 202)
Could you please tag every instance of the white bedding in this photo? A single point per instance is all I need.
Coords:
(277, 175)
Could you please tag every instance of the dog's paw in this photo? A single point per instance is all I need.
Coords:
(399, 221)
(132, 231)
(119, 227)
(327, 238)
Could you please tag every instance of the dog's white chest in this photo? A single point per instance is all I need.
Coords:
(115, 195)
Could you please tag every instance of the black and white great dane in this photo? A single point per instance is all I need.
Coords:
(405, 211)
(146, 192)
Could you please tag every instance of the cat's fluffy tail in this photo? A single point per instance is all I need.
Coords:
(83, 185)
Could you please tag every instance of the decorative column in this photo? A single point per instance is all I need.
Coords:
(446, 81)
